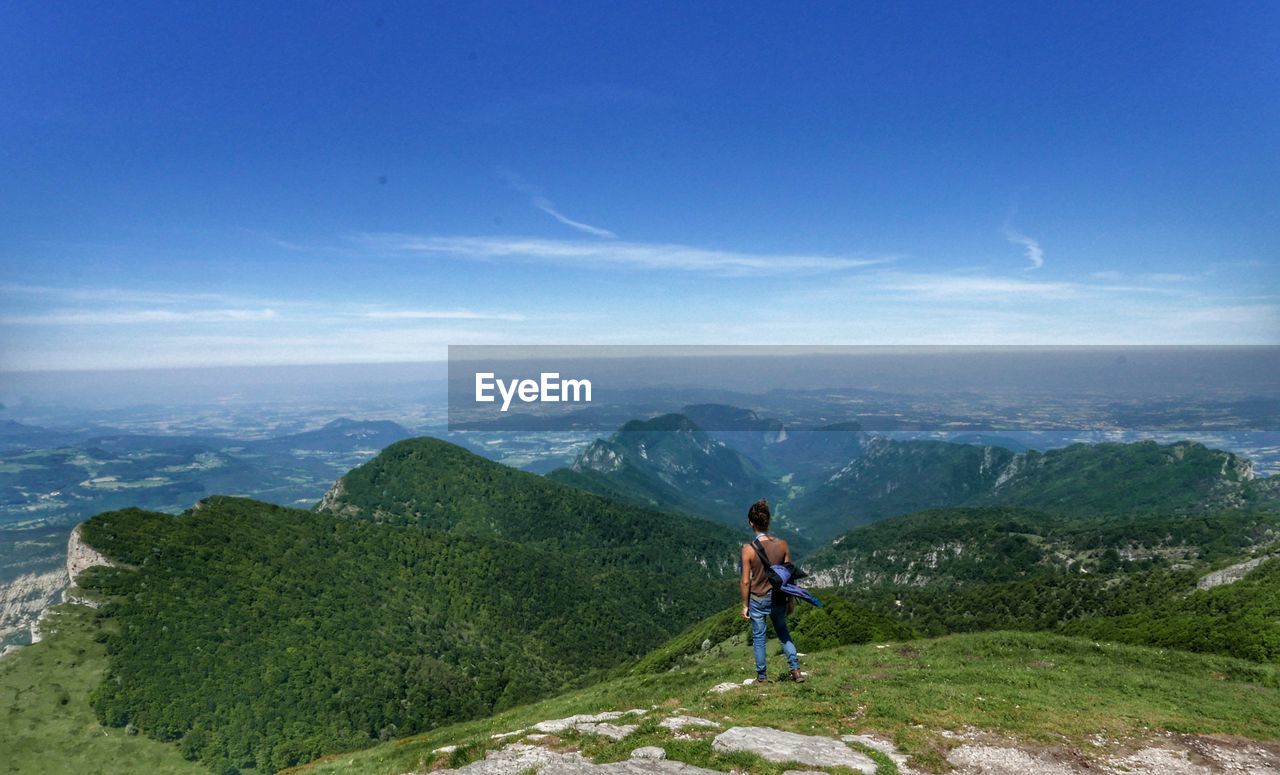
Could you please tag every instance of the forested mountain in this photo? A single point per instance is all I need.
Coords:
(669, 462)
(429, 483)
(949, 547)
(897, 477)
(827, 480)
(431, 585)
(1130, 578)
(1241, 619)
(342, 434)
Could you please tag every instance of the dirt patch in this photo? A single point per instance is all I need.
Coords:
(907, 651)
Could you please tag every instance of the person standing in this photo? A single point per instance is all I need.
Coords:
(759, 599)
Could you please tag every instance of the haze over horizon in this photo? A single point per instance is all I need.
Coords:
(237, 186)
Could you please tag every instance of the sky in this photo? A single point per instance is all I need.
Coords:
(263, 183)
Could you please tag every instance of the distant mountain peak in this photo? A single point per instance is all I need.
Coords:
(664, 422)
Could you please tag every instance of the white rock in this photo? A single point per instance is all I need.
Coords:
(592, 724)
(722, 688)
(611, 731)
(649, 752)
(501, 735)
(81, 556)
(518, 758)
(778, 746)
(680, 722)
(553, 726)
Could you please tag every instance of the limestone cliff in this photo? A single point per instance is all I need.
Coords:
(22, 600)
(332, 501)
(81, 556)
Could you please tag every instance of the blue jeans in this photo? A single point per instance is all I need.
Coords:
(759, 609)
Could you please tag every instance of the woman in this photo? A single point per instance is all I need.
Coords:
(758, 599)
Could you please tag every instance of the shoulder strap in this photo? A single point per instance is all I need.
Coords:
(761, 553)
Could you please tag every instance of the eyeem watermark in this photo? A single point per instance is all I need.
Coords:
(600, 389)
(548, 388)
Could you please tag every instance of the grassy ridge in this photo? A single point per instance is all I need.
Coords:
(837, 623)
(1037, 687)
(46, 723)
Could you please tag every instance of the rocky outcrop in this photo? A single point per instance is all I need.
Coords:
(776, 745)
(332, 501)
(522, 758)
(81, 556)
(1229, 575)
(22, 600)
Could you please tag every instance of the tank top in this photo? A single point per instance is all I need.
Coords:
(776, 550)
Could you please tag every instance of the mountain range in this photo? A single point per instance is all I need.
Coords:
(431, 587)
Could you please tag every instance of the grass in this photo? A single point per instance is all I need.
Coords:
(46, 724)
(1045, 690)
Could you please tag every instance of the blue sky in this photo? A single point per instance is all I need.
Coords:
(301, 183)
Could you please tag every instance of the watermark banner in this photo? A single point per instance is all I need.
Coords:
(749, 387)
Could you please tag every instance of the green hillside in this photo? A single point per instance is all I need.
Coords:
(1046, 693)
(432, 588)
(46, 722)
(964, 545)
(669, 462)
(1131, 579)
(901, 477)
(443, 588)
(1241, 619)
(1143, 477)
(837, 623)
(429, 483)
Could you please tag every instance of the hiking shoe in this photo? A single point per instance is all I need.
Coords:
(761, 679)
(797, 676)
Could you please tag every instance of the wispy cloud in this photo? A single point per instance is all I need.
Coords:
(1035, 253)
(971, 287)
(540, 202)
(545, 206)
(1153, 277)
(138, 316)
(982, 290)
(634, 255)
(35, 305)
(439, 314)
(111, 295)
